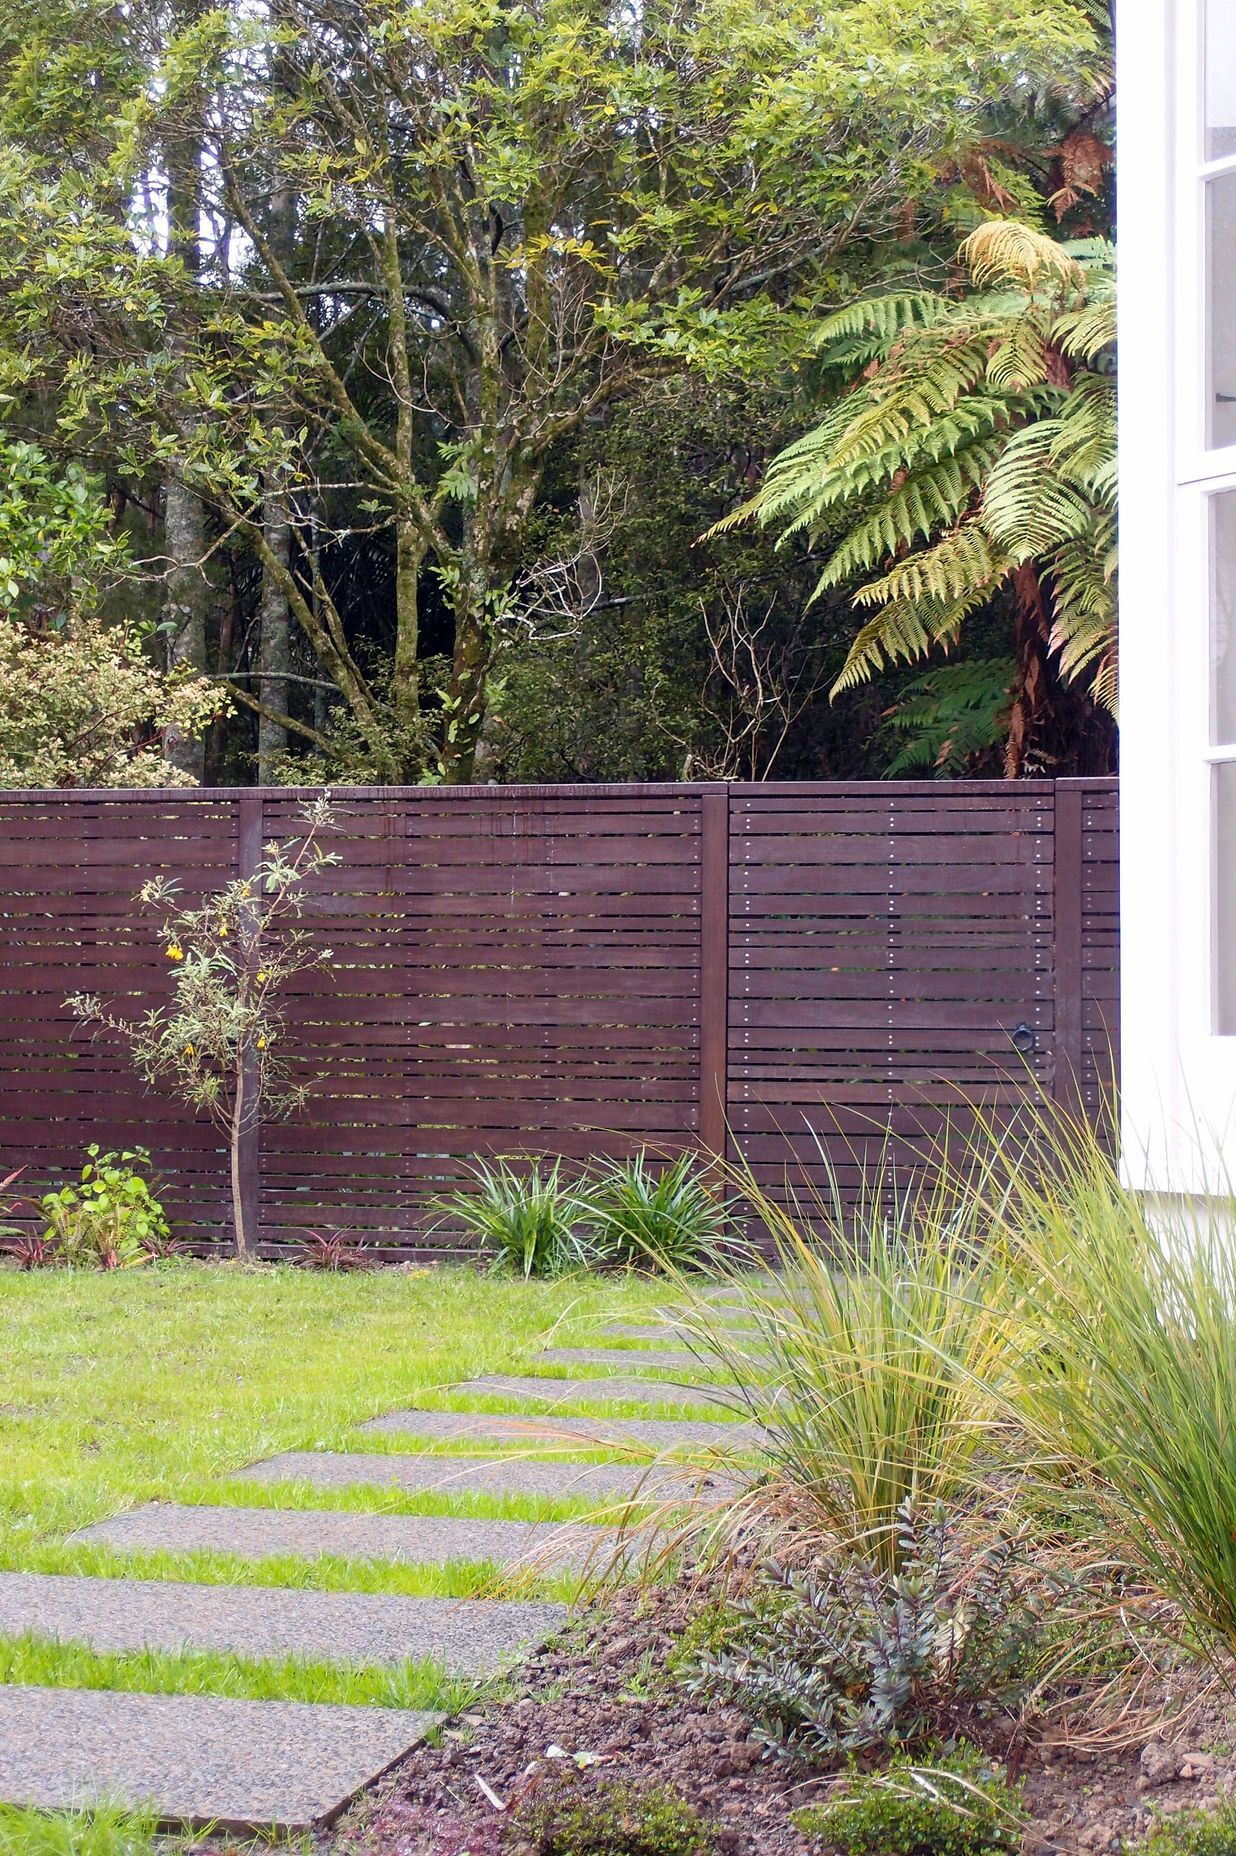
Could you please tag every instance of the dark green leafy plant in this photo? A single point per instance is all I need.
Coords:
(665, 1217)
(575, 1816)
(851, 1656)
(109, 1219)
(1195, 1833)
(529, 1221)
(959, 1805)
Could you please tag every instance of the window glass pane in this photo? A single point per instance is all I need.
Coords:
(1223, 619)
(1220, 79)
(1221, 308)
(1225, 899)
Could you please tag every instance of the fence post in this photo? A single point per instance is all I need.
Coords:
(248, 856)
(714, 966)
(1067, 852)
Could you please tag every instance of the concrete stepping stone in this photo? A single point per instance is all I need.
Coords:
(197, 1759)
(674, 1333)
(649, 1359)
(464, 1475)
(468, 1637)
(563, 1433)
(259, 1533)
(588, 1391)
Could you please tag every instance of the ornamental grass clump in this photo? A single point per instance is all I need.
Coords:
(873, 1356)
(1126, 1375)
(222, 1044)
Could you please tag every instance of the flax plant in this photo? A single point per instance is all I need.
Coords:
(873, 1356)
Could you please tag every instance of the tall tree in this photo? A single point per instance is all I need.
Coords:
(509, 217)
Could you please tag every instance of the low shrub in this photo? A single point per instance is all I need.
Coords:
(575, 1814)
(108, 1219)
(335, 1251)
(959, 1805)
(850, 1656)
(1195, 1833)
(657, 1217)
(529, 1220)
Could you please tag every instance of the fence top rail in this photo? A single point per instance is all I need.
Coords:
(601, 789)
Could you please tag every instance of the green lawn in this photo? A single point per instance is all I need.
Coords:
(163, 1384)
(122, 1388)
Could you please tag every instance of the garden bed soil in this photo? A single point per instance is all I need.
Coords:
(604, 1698)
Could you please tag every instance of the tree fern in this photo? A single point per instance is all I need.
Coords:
(973, 440)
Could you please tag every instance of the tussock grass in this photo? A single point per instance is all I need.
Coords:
(872, 1359)
(1126, 1377)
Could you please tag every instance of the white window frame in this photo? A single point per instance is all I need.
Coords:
(1179, 1078)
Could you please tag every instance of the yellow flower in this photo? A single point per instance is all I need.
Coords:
(189, 1051)
(263, 976)
(222, 929)
(261, 1043)
(175, 951)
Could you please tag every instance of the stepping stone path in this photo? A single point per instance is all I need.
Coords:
(465, 1475)
(198, 1759)
(369, 1628)
(630, 1391)
(555, 1429)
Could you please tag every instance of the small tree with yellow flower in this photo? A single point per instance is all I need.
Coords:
(221, 1043)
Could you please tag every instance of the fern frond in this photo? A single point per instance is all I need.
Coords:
(905, 631)
(884, 317)
(1009, 251)
(935, 496)
(1028, 508)
(965, 559)
(1083, 574)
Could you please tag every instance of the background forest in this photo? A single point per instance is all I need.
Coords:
(403, 390)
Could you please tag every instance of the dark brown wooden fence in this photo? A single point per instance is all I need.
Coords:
(798, 973)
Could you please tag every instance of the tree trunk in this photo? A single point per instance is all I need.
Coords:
(237, 1132)
(466, 693)
(274, 644)
(189, 600)
(185, 538)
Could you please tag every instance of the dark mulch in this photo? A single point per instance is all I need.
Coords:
(603, 1693)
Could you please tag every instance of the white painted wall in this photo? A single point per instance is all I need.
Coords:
(1176, 150)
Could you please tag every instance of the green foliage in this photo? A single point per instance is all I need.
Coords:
(531, 1220)
(110, 1219)
(220, 1044)
(977, 436)
(959, 1805)
(574, 1815)
(652, 1217)
(404, 364)
(57, 538)
(82, 705)
(104, 1830)
(873, 1354)
(1195, 1833)
(947, 722)
(848, 1656)
(1125, 1375)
